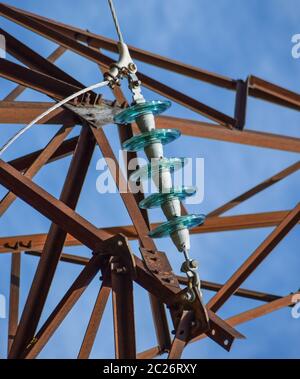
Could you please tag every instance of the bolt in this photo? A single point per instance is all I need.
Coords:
(120, 243)
(193, 324)
(121, 270)
(194, 263)
(136, 84)
(132, 67)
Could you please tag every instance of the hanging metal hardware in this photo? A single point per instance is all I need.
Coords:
(160, 168)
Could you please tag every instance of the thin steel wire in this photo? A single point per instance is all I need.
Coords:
(116, 22)
(44, 114)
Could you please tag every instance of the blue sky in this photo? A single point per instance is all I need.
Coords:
(231, 37)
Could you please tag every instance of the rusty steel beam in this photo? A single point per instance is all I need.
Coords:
(16, 92)
(64, 150)
(150, 353)
(23, 112)
(98, 58)
(256, 189)
(285, 301)
(64, 307)
(53, 245)
(263, 89)
(212, 224)
(230, 223)
(182, 335)
(96, 317)
(35, 61)
(246, 137)
(38, 163)
(36, 80)
(50, 207)
(123, 311)
(221, 332)
(246, 269)
(240, 108)
(14, 295)
(68, 258)
(239, 222)
(27, 243)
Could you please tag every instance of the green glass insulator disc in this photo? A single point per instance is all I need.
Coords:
(141, 141)
(177, 223)
(132, 113)
(157, 199)
(157, 166)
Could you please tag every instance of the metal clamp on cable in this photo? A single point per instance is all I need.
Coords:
(125, 67)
